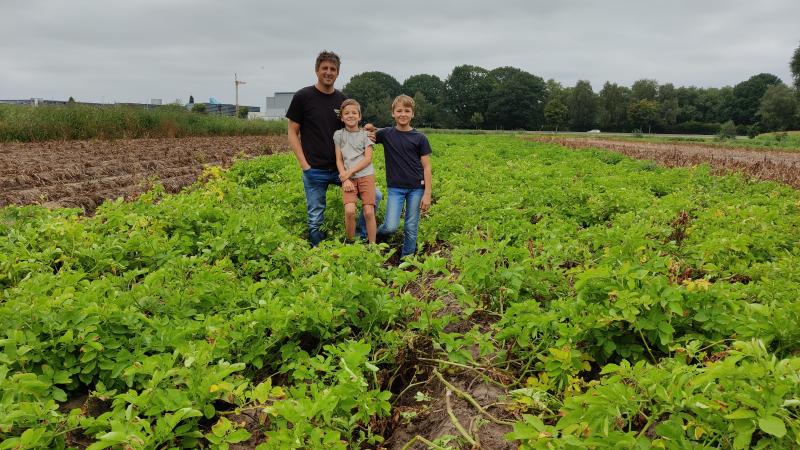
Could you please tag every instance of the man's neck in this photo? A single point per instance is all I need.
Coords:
(323, 89)
(355, 128)
(404, 128)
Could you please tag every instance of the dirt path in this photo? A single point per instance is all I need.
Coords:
(84, 173)
(763, 164)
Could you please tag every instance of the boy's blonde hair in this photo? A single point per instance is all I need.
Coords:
(350, 102)
(403, 100)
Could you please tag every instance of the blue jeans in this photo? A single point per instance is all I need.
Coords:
(394, 206)
(315, 184)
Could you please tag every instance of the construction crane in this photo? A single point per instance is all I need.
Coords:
(237, 82)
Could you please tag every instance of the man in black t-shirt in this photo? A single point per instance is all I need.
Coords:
(313, 118)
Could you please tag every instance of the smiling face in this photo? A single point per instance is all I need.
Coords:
(351, 116)
(327, 72)
(402, 115)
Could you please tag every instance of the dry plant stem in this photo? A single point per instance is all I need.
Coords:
(471, 400)
(454, 420)
(479, 370)
(409, 387)
(424, 441)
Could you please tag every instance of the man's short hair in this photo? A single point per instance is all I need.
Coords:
(349, 102)
(403, 100)
(327, 56)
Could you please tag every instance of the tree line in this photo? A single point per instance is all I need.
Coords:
(512, 99)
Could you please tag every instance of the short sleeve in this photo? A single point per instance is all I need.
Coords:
(337, 138)
(379, 135)
(424, 146)
(295, 111)
(365, 142)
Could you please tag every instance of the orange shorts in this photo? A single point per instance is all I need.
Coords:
(365, 190)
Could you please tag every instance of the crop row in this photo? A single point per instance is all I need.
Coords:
(617, 303)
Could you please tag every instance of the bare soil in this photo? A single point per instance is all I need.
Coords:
(772, 165)
(84, 173)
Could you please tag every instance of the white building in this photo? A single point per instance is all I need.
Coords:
(278, 105)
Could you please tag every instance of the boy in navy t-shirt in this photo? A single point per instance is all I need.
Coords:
(408, 173)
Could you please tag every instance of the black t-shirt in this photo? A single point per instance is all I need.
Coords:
(318, 116)
(402, 151)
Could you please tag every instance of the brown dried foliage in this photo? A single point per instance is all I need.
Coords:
(762, 164)
(84, 173)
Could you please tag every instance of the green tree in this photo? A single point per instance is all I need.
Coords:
(378, 112)
(582, 107)
(370, 89)
(429, 85)
(747, 97)
(424, 111)
(517, 100)
(613, 107)
(794, 65)
(778, 108)
(668, 104)
(556, 114)
(71, 100)
(467, 91)
(643, 114)
(644, 89)
(727, 130)
(476, 120)
(243, 111)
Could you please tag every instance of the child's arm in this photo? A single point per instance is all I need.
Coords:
(347, 185)
(365, 161)
(427, 176)
(340, 162)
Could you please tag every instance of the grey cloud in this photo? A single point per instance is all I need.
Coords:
(132, 51)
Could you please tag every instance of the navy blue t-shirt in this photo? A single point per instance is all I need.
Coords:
(402, 151)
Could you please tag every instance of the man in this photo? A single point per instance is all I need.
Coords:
(313, 118)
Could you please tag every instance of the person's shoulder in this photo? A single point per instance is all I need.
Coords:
(304, 92)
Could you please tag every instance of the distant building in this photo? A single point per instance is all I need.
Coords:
(224, 109)
(278, 105)
(211, 108)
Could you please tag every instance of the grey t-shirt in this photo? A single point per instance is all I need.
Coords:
(353, 144)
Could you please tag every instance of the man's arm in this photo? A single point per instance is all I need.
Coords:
(427, 176)
(297, 146)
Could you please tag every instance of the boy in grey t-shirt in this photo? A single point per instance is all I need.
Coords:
(354, 161)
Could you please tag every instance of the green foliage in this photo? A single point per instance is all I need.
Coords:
(794, 66)
(556, 114)
(582, 106)
(26, 124)
(199, 108)
(467, 91)
(727, 130)
(429, 85)
(374, 90)
(636, 306)
(517, 100)
(643, 114)
(778, 109)
(747, 97)
(613, 103)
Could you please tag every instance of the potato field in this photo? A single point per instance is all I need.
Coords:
(559, 299)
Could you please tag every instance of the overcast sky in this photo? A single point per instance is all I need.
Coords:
(135, 50)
